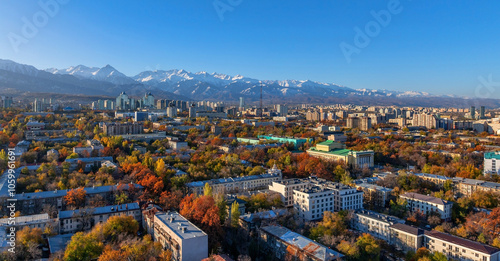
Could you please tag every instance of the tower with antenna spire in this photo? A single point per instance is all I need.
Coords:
(261, 108)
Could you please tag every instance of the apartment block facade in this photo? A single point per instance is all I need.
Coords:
(427, 204)
(175, 233)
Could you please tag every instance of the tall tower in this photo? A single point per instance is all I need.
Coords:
(242, 102)
(261, 109)
(473, 112)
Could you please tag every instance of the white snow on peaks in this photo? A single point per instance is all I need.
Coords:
(106, 73)
(11, 66)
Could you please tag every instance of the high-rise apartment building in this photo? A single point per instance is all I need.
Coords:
(473, 112)
(282, 110)
(362, 123)
(425, 120)
(5, 102)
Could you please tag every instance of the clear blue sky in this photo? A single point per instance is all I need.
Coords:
(441, 47)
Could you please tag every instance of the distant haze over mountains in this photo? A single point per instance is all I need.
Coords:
(181, 84)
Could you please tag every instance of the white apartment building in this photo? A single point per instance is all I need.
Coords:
(459, 248)
(491, 162)
(286, 187)
(375, 224)
(71, 221)
(310, 203)
(346, 197)
(406, 238)
(176, 233)
(427, 204)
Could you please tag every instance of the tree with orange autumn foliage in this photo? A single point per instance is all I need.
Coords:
(153, 185)
(142, 175)
(14, 138)
(204, 213)
(171, 200)
(75, 198)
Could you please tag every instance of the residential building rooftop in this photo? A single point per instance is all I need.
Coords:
(100, 210)
(268, 214)
(492, 155)
(374, 187)
(378, 216)
(433, 176)
(179, 225)
(26, 220)
(474, 245)
(62, 193)
(230, 180)
(59, 242)
(307, 245)
(430, 199)
(408, 229)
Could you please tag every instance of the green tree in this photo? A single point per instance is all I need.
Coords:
(222, 206)
(332, 224)
(448, 185)
(83, 247)
(369, 247)
(349, 249)
(121, 198)
(207, 191)
(160, 166)
(438, 256)
(235, 214)
(73, 156)
(3, 155)
(25, 171)
(346, 178)
(117, 225)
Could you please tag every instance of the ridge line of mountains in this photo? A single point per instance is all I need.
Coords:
(16, 78)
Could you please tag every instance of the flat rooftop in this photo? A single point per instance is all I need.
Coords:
(378, 216)
(230, 180)
(100, 210)
(408, 229)
(312, 248)
(430, 199)
(337, 152)
(62, 193)
(486, 249)
(374, 187)
(25, 220)
(315, 189)
(179, 221)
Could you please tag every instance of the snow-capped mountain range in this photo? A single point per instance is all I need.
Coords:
(82, 79)
(106, 73)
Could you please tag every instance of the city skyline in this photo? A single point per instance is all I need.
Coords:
(249, 130)
(413, 50)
